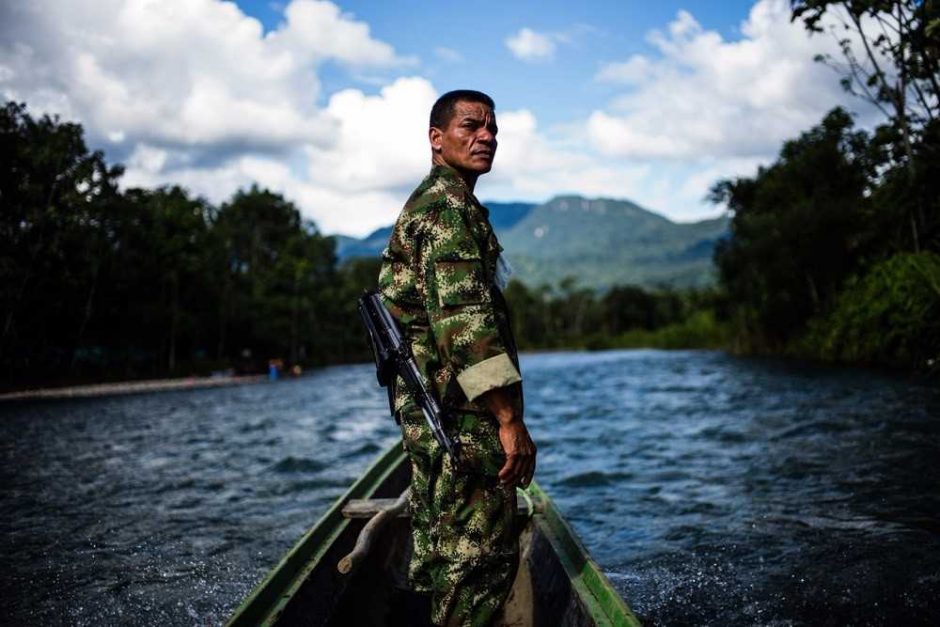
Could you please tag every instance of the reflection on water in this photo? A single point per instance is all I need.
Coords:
(711, 489)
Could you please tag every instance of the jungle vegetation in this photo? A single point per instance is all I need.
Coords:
(833, 251)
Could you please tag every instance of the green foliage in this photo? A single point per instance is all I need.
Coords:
(149, 309)
(60, 213)
(906, 198)
(889, 315)
(834, 203)
(276, 275)
(799, 228)
(890, 52)
(96, 283)
(343, 336)
(700, 329)
(624, 317)
(831, 246)
(891, 58)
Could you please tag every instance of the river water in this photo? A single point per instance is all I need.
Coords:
(711, 489)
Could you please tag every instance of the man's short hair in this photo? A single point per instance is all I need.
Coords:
(443, 110)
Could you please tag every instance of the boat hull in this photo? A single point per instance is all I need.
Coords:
(557, 584)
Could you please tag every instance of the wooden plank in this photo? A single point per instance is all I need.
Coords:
(371, 531)
(367, 508)
(271, 597)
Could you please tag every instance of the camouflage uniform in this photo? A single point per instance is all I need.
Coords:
(438, 280)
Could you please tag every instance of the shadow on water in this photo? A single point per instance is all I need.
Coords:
(712, 489)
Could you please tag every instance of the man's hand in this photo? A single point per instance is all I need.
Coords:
(515, 439)
(520, 453)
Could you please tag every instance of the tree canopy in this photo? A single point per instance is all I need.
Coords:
(818, 229)
(96, 282)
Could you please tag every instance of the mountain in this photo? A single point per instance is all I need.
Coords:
(600, 242)
(371, 245)
(503, 216)
(604, 242)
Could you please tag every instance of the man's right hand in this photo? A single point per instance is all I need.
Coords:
(520, 453)
(514, 437)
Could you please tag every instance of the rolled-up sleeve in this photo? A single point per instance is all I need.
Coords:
(495, 372)
(459, 302)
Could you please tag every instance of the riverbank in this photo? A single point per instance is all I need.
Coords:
(128, 387)
(700, 330)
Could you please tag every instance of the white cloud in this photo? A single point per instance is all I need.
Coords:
(705, 108)
(634, 70)
(529, 45)
(321, 31)
(378, 153)
(193, 91)
(382, 140)
(532, 166)
(183, 73)
(448, 54)
(705, 97)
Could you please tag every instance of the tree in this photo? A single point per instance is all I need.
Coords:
(891, 58)
(98, 283)
(56, 197)
(799, 228)
(276, 268)
(171, 253)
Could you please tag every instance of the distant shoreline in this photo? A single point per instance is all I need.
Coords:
(128, 387)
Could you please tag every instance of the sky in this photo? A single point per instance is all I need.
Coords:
(327, 102)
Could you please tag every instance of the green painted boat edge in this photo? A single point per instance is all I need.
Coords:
(269, 597)
(595, 591)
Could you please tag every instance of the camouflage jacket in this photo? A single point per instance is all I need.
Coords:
(438, 280)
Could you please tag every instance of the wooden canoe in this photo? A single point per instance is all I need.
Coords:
(558, 582)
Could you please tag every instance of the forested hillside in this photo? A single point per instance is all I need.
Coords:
(599, 243)
(603, 242)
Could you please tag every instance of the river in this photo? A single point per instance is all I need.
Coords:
(711, 489)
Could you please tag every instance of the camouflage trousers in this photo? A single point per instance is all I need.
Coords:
(466, 544)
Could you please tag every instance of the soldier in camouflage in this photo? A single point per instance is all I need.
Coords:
(439, 279)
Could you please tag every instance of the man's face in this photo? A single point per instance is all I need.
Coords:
(468, 144)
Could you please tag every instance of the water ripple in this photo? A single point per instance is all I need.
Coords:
(713, 490)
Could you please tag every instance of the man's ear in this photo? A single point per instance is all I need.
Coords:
(436, 138)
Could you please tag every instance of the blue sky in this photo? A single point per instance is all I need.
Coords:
(327, 102)
(556, 89)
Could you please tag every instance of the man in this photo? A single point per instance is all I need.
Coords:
(439, 279)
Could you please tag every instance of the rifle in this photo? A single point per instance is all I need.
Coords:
(393, 357)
